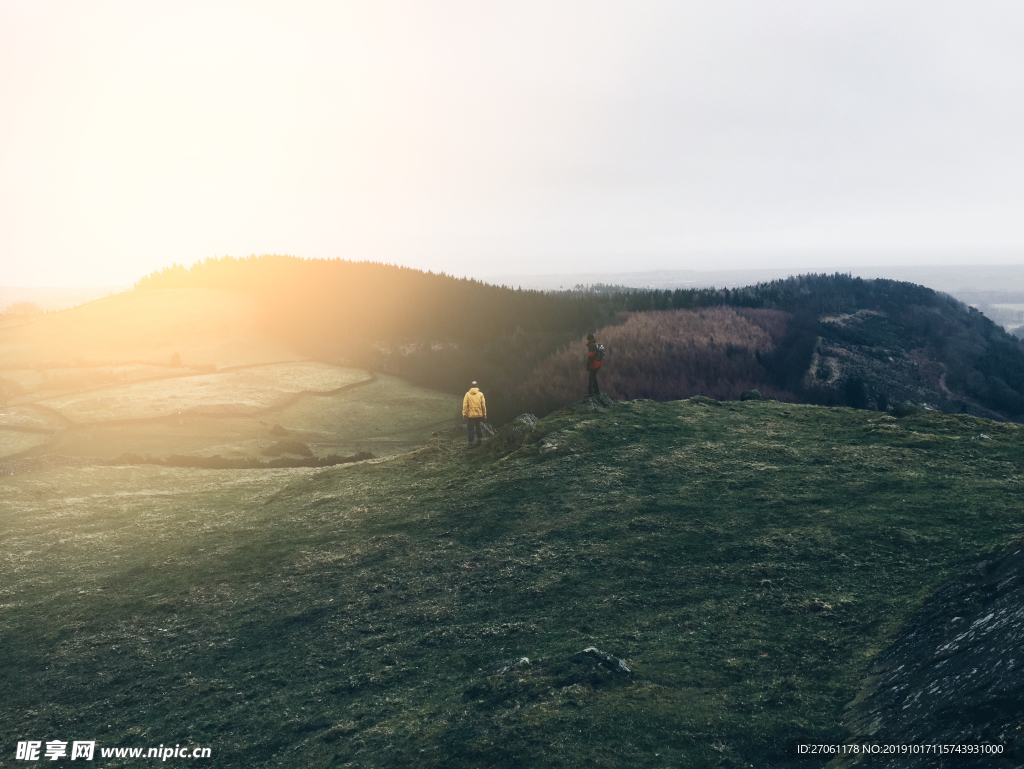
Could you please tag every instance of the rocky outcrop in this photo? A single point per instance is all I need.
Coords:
(505, 666)
(526, 428)
(910, 409)
(608, 663)
(516, 434)
(592, 404)
(956, 674)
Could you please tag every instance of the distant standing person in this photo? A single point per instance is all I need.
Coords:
(474, 411)
(595, 354)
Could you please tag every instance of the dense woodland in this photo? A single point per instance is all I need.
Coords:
(669, 355)
(432, 329)
(846, 341)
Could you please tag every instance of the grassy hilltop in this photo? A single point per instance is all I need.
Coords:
(746, 560)
(191, 372)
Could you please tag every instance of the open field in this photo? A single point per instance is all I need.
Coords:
(17, 442)
(241, 391)
(32, 417)
(747, 560)
(47, 381)
(234, 414)
(102, 380)
(205, 327)
(384, 416)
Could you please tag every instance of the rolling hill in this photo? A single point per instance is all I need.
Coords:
(848, 341)
(205, 327)
(746, 561)
(642, 583)
(193, 373)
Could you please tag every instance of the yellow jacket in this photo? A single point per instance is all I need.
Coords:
(473, 405)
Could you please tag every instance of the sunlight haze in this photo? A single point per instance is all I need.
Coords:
(448, 384)
(494, 139)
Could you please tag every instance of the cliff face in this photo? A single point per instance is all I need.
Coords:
(870, 359)
(957, 673)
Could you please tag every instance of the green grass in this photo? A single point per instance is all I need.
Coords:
(98, 381)
(247, 390)
(748, 560)
(42, 382)
(383, 415)
(13, 442)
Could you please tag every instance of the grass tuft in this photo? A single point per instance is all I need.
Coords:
(747, 561)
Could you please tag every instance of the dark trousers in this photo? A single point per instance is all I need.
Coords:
(472, 422)
(592, 388)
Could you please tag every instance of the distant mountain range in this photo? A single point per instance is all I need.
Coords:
(55, 298)
(962, 279)
(995, 289)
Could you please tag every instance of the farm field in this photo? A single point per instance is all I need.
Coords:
(232, 391)
(31, 416)
(203, 326)
(50, 380)
(16, 442)
(747, 561)
(237, 414)
(248, 390)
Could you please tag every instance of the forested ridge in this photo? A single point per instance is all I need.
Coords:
(433, 329)
(848, 341)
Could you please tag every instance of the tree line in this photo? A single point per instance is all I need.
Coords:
(442, 331)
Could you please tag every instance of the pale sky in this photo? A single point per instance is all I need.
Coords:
(487, 138)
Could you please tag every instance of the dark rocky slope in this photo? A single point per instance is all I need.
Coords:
(956, 674)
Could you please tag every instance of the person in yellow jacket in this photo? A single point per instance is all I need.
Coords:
(474, 411)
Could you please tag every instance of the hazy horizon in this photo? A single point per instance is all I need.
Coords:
(484, 139)
(251, 511)
(970, 283)
(547, 279)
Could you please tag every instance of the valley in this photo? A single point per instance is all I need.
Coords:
(420, 604)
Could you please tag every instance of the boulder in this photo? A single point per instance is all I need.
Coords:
(592, 404)
(504, 666)
(751, 395)
(594, 657)
(705, 400)
(909, 409)
(516, 434)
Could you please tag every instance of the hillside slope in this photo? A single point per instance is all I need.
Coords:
(206, 327)
(872, 343)
(193, 371)
(854, 342)
(952, 677)
(666, 356)
(747, 561)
